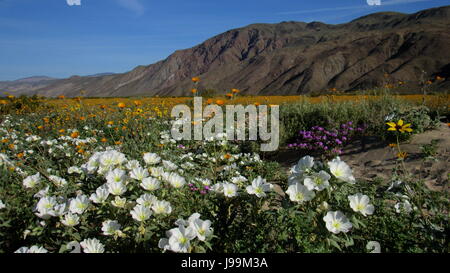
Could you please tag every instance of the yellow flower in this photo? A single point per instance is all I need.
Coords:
(121, 105)
(195, 79)
(392, 145)
(402, 155)
(400, 126)
(234, 90)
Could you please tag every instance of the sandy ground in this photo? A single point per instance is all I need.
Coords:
(378, 160)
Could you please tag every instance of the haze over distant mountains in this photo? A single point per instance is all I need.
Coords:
(284, 58)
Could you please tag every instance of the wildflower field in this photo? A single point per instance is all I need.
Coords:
(100, 175)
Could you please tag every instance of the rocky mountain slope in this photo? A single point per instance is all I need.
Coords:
(291, 58)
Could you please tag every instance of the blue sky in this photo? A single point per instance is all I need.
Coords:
(50, 37)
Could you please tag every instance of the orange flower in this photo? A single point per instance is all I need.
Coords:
(82, 118)
(257, 104)
(220, 102)
(103, 106)
(230, 95)
(80, 151)
(209, 101)
(46, 120)
(74, 135)
(40, 127)
(62, 131)
(392, 145)
(5, 140)
(195, 79)
(438, 78)
(118, 142)
(137, 102)
(20, 155)
(11, 97)
(194, 90)
(429, 82)
(402, 155)
(121, 105)
(103, 140)
(61, 97)
(234, 90)
(110, 123)
(4, 102)
(227, 156)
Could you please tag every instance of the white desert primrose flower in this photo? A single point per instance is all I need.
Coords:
(337, 222)
(229, 189)
(202, 228)
(147, 200)
(139, 173)
(151, 158)
(79, 204)
(403, 207)
(341, 170)
(110, 227)
(150, 184)
(92, 246)
(169, 165)
(32, 180)
(117, 175)
(141, 213)
(132, 164)
(117, 188)
(58, 181)
(100, 195)
(178, 239)
(259, 187)
(360, 203)
(74, 169)
(156, 171)
(374, 247)
(161, 207)
(70, 220)
(2, 205)
(299, 193)
(176, 180)
(119, 202)
(317, 181)
(304, 166)
(33, 249)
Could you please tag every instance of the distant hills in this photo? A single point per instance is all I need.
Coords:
(285, 59)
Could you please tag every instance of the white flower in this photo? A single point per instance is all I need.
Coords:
(46, 207)
(337, 222)
(341, 170)
(360, 203)
(374, 246)
(156, 171)
(229, 189)
(92, 246)
(141, 213)
(139, 173)
(218, 187)
(151, 158)
(169, 165)
(58, 181)
(2, 205)
(111, 158)
(32, 181)
(117, 175)
(238, 180)
(202, 228)
(175, 180)
(178, 239)
(150, 184)
(404, 206)
(317, 181)
(70, 220)
(304, 166)
(110, 227)
(299, 193)
(259, 187)
(161, 207)
(204, 181)
(79, 204)
(100, 195)
(132, 164)
(117, 188)
(119, 202)
(74, 169)
(33, 249)
(147, 200)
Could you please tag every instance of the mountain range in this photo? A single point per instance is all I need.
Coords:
(286, 58)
